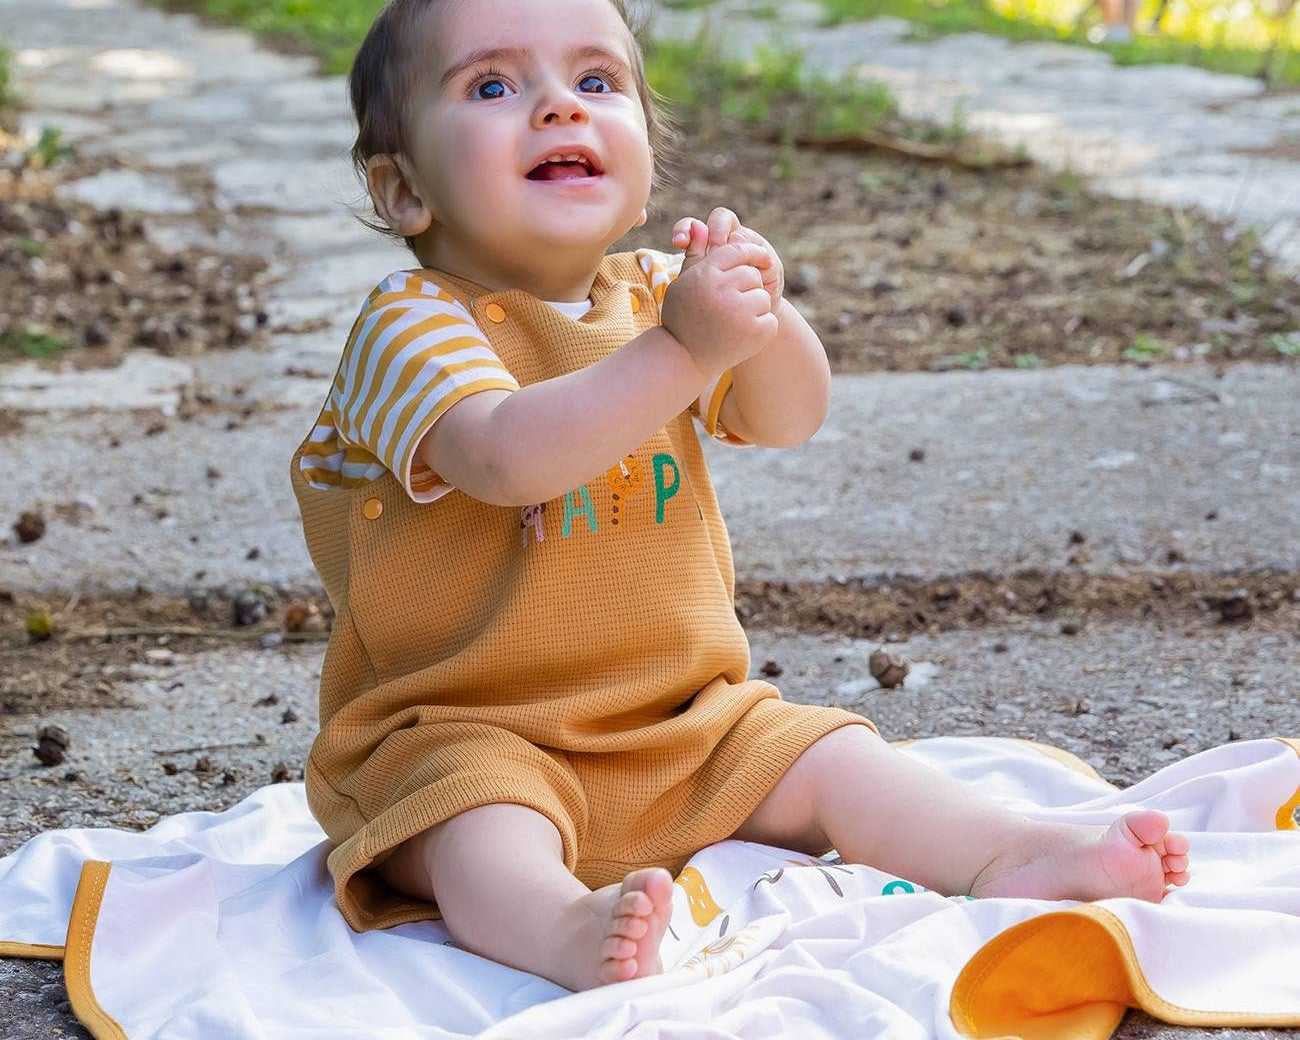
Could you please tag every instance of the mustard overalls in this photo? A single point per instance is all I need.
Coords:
(580, 657)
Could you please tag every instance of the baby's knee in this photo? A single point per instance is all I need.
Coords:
(465, 844)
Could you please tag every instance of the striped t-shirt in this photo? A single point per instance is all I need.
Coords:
(414, 351)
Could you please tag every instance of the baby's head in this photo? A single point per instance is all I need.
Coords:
(461, 103)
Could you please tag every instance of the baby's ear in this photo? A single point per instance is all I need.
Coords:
(395, 197)
(642, 218)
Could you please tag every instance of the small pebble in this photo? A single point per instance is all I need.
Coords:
(29, 527)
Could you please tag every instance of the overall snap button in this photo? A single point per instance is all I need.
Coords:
(373, 509)
(495, 312)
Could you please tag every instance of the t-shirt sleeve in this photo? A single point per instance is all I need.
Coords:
(414, 352)
(661, 269)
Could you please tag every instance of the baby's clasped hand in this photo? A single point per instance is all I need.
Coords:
(718, 307)
(723, 227)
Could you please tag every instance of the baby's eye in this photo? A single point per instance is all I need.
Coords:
(491, 90)
(594, 84)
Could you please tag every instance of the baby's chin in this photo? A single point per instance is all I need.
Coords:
(595, 232)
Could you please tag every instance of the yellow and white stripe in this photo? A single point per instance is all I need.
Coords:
(413, 352)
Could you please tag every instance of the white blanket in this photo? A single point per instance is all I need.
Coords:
(222, 926)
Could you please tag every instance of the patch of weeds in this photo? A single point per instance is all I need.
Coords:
(787, 166)
(1144, 349)
(870, 180)
(7, 96)
(770, 89)
(1286, 343)
(1027, 361)
(1068, 181)
(1244, 292)
(49, 150)
(851, 107)
(32, 343)
(29, 246)
(974, 360)
(958, 127)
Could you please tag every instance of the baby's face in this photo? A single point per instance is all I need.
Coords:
(513, 86)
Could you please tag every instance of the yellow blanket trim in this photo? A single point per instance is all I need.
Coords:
(1069, 975)
(1066, 758)
(32, 951)
(1287, 813)
(76, 963)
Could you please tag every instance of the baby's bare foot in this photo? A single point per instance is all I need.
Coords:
(1135, 856)
(634, 926)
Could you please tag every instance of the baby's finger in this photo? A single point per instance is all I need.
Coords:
(733, 254)
(722, 222)
(744, 277)
(757, 301)
(684, 230)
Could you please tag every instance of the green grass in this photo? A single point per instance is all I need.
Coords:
(7, 97)
(330, 29)
(32, 343)
(772, 89)
(1214, 34)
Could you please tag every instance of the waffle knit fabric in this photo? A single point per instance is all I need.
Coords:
(581, 657)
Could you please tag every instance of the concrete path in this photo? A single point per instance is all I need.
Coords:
(1167, 133)
(1135, 459)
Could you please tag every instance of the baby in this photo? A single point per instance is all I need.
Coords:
(535, 705)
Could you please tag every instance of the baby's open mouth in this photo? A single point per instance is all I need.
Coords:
(563, 167)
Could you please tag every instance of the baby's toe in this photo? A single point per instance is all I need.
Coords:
(1148, 826)
(630, 927)
(616, 948)
(634, 904)
(616, 971)
(1175, 864)
(1178, 878)
(1177, 844)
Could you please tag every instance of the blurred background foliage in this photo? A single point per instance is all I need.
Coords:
(1248, 37)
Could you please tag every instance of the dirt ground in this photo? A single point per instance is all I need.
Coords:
(900, 264)
(908, 265)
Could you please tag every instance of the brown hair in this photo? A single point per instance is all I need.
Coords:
(384, 77)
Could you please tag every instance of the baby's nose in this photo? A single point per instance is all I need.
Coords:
(560, 108)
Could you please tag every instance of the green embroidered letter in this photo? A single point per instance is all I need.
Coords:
(588, 510)
(664, 493)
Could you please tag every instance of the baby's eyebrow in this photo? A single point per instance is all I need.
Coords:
(491, 54)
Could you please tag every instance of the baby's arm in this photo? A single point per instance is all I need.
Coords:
(517, 448)
(780, 396)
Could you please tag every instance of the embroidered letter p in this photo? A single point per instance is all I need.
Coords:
(664, 492)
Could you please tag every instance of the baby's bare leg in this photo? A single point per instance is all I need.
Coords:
(875, 805)
(500, 881)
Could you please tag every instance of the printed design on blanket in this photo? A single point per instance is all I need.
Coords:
(698, 898)
(773, 876)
